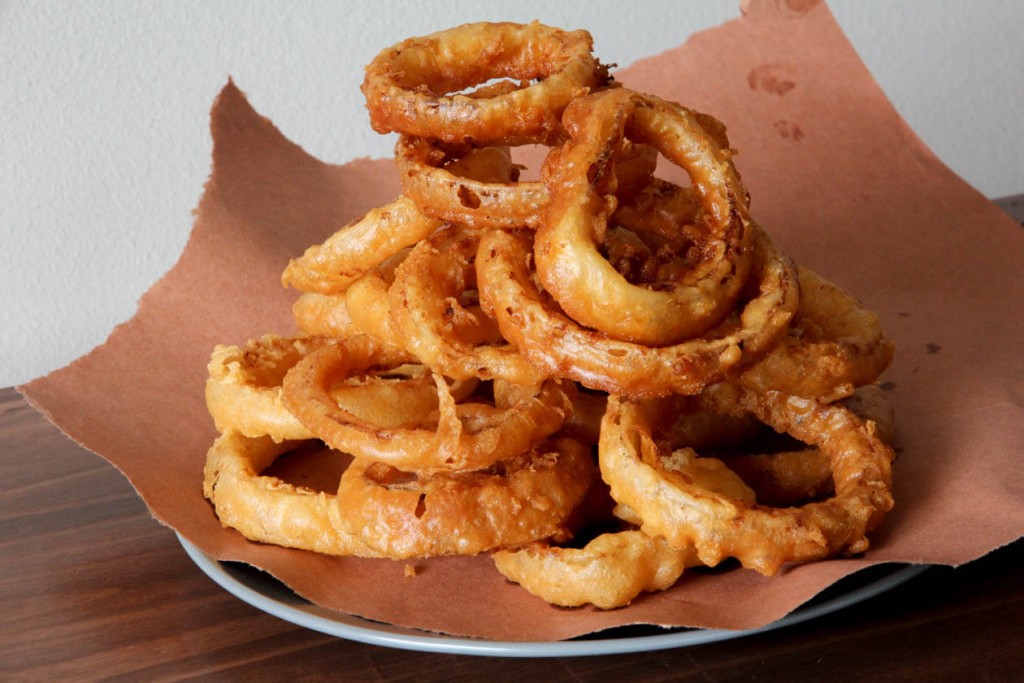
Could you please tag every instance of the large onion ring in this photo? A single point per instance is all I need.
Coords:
(563, 348)
(568, 261)
(781, 472)
(466, 436)
(409, 87)
(527, 498)
(722, 526)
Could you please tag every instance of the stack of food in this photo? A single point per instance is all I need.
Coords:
(600, 376)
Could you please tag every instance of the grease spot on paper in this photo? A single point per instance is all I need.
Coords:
(789, 130)
(776, 79)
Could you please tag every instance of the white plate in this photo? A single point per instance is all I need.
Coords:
(271, 596)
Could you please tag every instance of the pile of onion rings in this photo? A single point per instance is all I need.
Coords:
(601, 377)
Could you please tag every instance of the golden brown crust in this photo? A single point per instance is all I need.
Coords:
(524, 499)
(413, 87)
(563, 348)
(267, 509)
(608, 572)
(720, 525)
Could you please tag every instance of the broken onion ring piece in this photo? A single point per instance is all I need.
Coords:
(608, 572)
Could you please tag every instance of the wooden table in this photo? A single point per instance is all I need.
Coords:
(91, 587)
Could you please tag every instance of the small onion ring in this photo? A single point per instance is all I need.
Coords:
(662, 209)
(267, 509)
(478, 202)
(367, 304)
(408, 87)
(366, 301)
(243, 386)
(833, 346)
(427, 313)
(528, 498)
(791, 477)
(608, 572)
(721, 526)
(243, 390)
(570, 266)
(466, 436)
(563, 348)
(424, 168)
(331, 266)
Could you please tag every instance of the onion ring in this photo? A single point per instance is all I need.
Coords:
(243, 387)
(833, 346)
(267, 509)
(662, 209)
(783, 478)
(333, 265)
(562, 348)
(478, 202)
(366, 301)
(527, 498)
(780, 472)
(367, 304)
(568, 262)
(243, 390)
(330, 267)
(466, 436)
(721, 526)
(499, 202)
(409, 87)
(426, 310)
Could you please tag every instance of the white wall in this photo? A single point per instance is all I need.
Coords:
(104, 145)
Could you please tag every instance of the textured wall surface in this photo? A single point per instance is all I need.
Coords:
(104, 145)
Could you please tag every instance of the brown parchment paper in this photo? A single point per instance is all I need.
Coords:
(835, 174)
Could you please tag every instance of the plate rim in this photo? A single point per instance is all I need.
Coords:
(358, 629)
